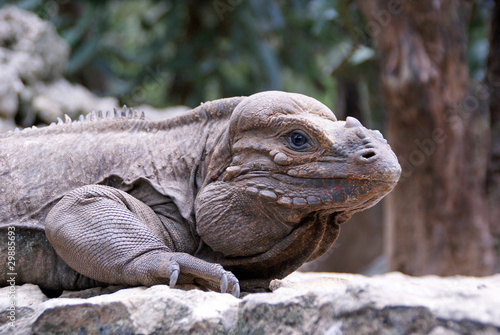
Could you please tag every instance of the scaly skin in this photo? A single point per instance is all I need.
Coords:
(237, 192)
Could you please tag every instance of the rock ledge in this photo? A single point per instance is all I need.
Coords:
(303, 303)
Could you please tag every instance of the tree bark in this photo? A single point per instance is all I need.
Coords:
(348, 99)
(493, 80)
(437, 221)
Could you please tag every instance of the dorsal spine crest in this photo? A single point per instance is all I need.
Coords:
(126, 114)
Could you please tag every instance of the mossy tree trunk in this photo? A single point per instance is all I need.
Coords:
(437, 218)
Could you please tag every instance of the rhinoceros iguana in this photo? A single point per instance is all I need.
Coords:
(236, 192)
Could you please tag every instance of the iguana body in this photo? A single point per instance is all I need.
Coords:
(243, 188)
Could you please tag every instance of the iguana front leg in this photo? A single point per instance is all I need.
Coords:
(108, 235)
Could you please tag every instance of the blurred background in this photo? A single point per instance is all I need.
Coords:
(425, 73)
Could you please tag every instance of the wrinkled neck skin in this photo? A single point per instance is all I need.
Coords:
(267, 206)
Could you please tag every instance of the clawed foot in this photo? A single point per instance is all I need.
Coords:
(209, 274)
(229, 280)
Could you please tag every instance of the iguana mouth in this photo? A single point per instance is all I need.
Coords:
(315, 193)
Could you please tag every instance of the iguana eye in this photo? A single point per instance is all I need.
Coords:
(298, 140)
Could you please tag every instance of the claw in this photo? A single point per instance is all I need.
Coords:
(223, 283)
(173, 272)
(236, 290)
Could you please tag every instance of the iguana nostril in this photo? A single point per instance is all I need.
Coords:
(367, 155)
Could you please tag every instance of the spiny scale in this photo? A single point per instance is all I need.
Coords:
(125, 113)
(129, 114)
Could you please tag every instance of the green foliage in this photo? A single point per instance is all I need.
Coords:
(478, 46)
(185, 52)
(173, 52)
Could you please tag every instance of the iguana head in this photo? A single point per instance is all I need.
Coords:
(293, 164)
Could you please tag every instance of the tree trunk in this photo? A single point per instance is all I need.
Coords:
(493, 80)
(438, 220)
(348, 99)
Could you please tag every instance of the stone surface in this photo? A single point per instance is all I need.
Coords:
(30, 46)
(156, 114)
(303, 303)
(6, 125)
(50, 101)
(32, 62)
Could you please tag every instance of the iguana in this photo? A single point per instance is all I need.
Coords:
(238, 191)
